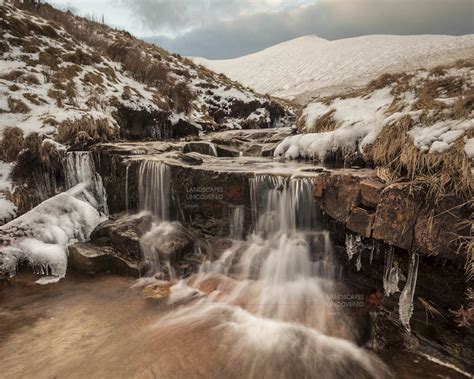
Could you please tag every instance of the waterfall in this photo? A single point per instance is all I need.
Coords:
(287, 256)
(405, 303)
(80, 168)
(154, 189)
(272, 296)
(154, 192)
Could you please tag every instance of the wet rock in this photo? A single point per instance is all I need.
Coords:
(370, 191)
(361, 221)
(200, 147)
(144, 124)
(226, 151)
(124, 234)
(341, 194)
(157, 291)
(396, 216)
(192, 159)
(92, 259)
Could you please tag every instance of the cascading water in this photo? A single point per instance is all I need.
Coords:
(269, 296)
(80, 168)
(154, 189)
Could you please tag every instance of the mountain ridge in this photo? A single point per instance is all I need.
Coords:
(308, 65)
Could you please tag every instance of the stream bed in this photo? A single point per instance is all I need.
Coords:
(102, 327)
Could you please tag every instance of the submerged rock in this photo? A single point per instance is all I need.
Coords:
(157, 291)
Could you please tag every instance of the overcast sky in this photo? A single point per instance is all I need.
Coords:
(231, 28)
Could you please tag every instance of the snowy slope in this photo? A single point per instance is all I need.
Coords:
(311, 64)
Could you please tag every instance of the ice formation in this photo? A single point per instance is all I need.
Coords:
(390, 277)
(43, 234)
(405, 303)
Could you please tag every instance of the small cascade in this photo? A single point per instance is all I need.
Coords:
(272, 291)
(391, 271)
(237, 222)
(287, 261)
(154, 189)
(405, 303)
(80, 168)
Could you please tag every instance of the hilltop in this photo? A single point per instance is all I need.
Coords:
(305, 66)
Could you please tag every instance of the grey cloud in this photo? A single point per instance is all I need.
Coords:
(328, 19)
(174, 16)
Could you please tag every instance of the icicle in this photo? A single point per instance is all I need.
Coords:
(126, 187)
(353, 245)
(405, 303)
(372, 253)
(80, 168)
(390, 277)
(359, 262)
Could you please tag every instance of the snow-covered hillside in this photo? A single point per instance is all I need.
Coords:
(66, 80)
(309, 65)
(420, 123)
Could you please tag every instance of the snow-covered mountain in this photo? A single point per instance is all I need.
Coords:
(311, 65)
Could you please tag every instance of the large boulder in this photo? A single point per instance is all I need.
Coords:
(123, 234)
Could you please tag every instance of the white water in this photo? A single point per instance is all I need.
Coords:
(405, 303)
(269, 296)
(80, 169)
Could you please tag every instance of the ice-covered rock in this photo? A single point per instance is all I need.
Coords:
(40, 237)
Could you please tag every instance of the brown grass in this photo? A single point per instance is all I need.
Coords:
(17, 106)
(182, 97)
(35, 99)
(51, 57)
(67, 131)
(438, 173)
(11, 143)
(80, 57)
(93, 79)
(57, 96)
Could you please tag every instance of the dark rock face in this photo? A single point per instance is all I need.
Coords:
(390, 213)
(205, 198)
(200, 147)
(396, 216)
(142, 124)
